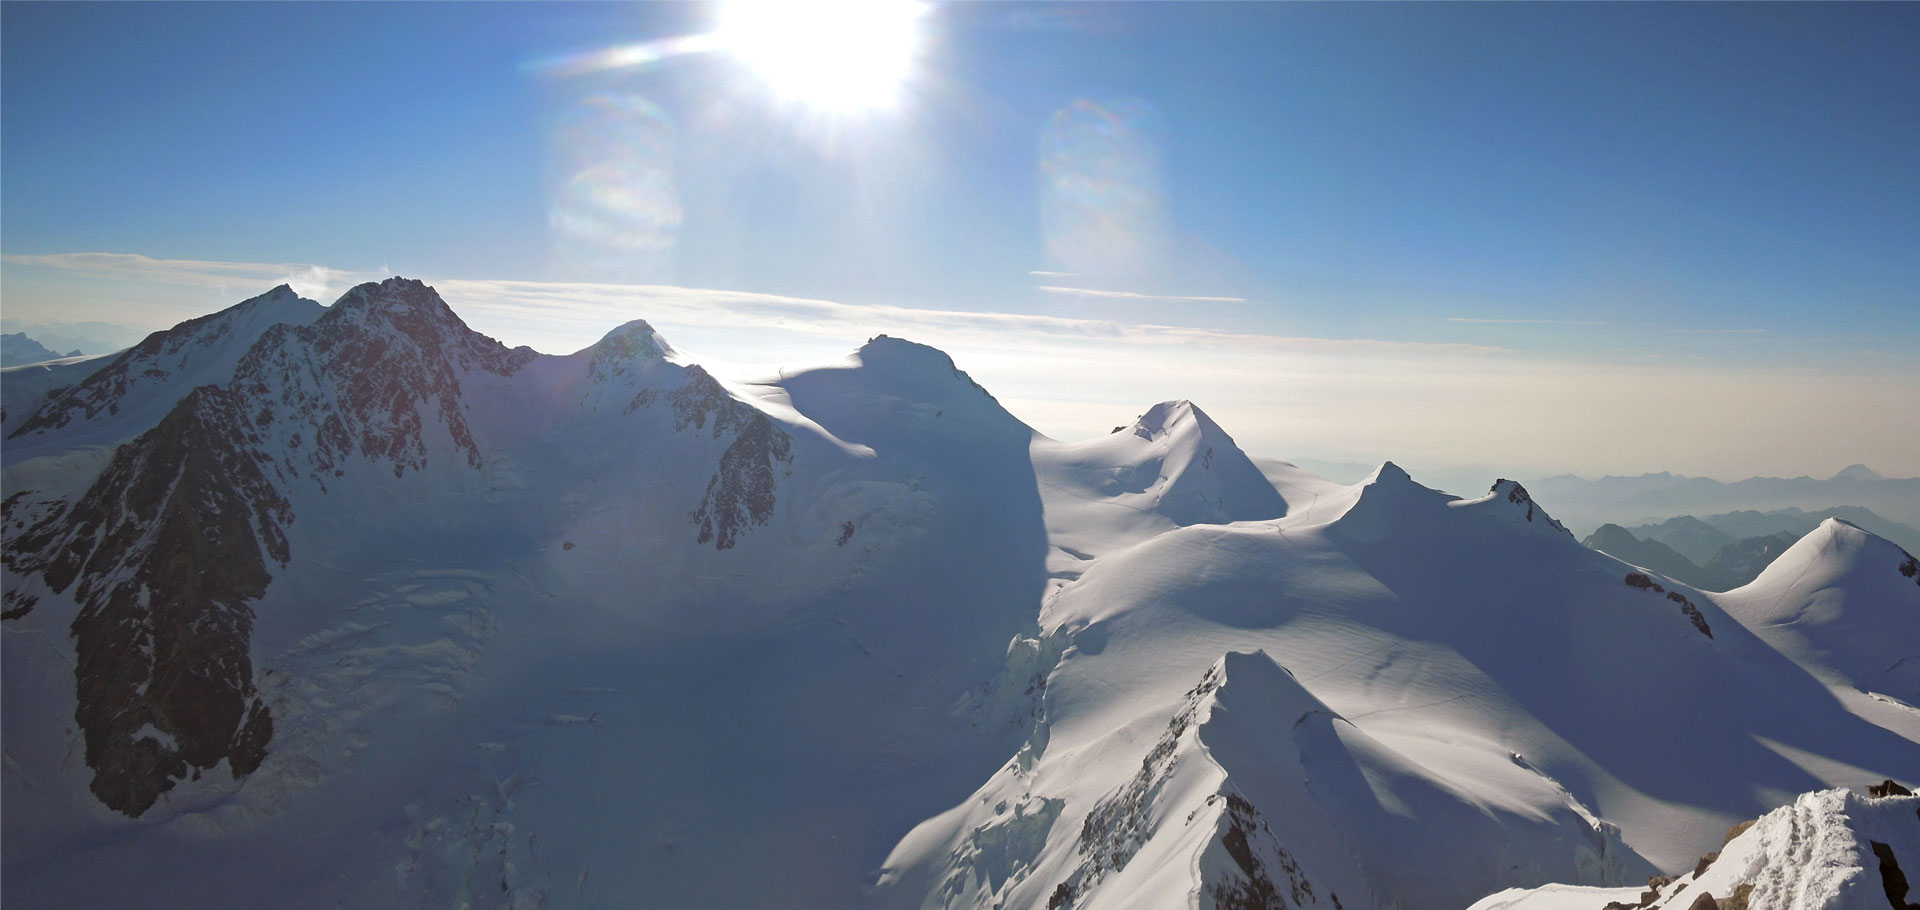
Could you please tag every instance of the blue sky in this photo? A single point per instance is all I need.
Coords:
(1710, 194)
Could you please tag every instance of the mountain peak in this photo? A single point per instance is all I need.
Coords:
(1256, 665)
(634, 340)
(1840, 527)
(412, 309)
(1388, 473)
(17, 349)
(1165, 417)
(1858, 472)
(395, 295)
(886, 350)
(1825, 553)
(912, 365)
(282, 297)
(1519, 503)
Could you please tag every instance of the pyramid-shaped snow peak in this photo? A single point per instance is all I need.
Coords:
(1387, 501)
(1842, 600)
(1204, 476)
(626, 353)
(1174, 462)
(1858, 472)
(632, 341)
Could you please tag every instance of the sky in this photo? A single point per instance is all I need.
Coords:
(1597, 238)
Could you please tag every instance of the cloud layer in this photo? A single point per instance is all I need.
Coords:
(1334, 398)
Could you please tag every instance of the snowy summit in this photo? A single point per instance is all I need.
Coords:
(352, 605)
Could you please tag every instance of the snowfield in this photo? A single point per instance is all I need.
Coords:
(351, 606)
(1829, 850)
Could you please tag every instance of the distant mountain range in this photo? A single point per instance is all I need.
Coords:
(1699, 539)
(1732, 565)
(17, 349)
(1653, 498)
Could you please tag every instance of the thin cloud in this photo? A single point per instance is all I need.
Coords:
(1282, 395)
(1038, 274)
(305, 278)
(566, 316)
(1134, 295)
(1477, 321)
(607, 305)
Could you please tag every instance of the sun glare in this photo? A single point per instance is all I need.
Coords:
(837, 55)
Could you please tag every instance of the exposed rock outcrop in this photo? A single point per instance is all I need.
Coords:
(357, 379)
(164, 552)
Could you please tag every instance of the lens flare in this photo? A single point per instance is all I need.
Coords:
(840, 55)
(1103, 207)
(616, 202)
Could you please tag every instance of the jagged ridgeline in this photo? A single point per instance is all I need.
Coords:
(352, 605)
(167, 548)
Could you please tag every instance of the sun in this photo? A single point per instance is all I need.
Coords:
(841, 56)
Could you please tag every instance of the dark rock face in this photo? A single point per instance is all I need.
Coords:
(1256, 890)
(167, 547)
(1892, 880)
(1911, 568)
(1887, 788)
(183, 529)
(358, 377)
(1691, 612)
(1706, 860)
(701, 400)
(740, 495)
(1687, 609)
(171, 543)
(1516, 494)
(1119, 824)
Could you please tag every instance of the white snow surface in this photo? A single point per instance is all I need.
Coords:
(958, 664)
(1838, 602)
(1825, 851)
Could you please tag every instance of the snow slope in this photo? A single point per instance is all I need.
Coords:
(1507, 673)
(136, 388)
(360, 607)
(1843, 603)
(24, 388)
(1828, 850)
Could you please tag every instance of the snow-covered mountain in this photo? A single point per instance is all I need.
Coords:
(351, 605)
(16, 349)
(141, 384)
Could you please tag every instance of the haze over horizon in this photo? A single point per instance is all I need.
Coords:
(1593, 239)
